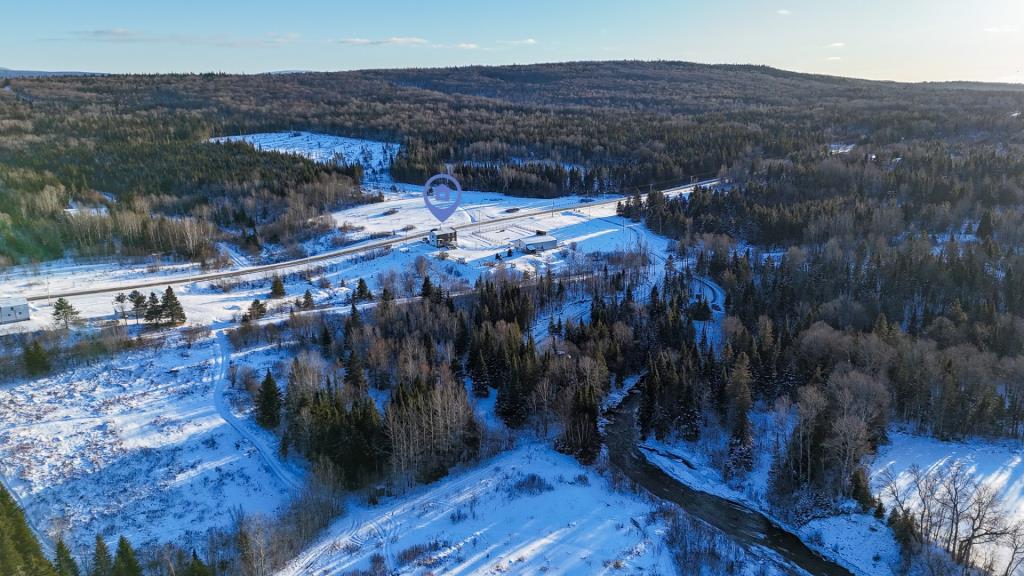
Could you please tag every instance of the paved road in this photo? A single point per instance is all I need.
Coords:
(300, 262)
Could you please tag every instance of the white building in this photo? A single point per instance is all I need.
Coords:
(13, 309)
(443, 237)
(537, 243)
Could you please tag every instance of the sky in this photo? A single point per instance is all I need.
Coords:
(906, 40)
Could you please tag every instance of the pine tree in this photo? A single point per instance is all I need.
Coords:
(197, 568)
(277, 287)
(427, 290)
(125, 563)
(20, 552)
(37, 361)
(307, 300)
(985, 227)
(154, 312)
(102, 564)
(139, 305)
(256, 311)
(326, 342)
(171, 308)
(363, 291)
(64, 313)
(64, 563)
(355, 378)
(268, 403)
(741, 456)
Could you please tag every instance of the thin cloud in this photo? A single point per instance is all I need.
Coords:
(113, 35)
(467, 46)
(393, 41)
(523, 42)
(127, 36)
(1002, 29)
(837, 45)
(834, 58)
(783, 12)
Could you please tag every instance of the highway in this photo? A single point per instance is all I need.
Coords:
(300, 262)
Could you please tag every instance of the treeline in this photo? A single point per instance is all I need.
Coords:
(20, 553)
(148, 182)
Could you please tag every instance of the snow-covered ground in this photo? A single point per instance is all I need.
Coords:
(993, 463)
(374, 156)
(137, 445)
(856, 540)
(580, 231)
(527, 511)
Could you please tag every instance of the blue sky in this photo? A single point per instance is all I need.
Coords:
(897, 39)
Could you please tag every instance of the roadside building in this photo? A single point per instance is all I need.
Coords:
(443, 237)
(539, 242)
(13, 309)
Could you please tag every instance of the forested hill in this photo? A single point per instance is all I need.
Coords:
(538, 130)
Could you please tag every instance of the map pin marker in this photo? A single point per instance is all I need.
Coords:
(444, 187)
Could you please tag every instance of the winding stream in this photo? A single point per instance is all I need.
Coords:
(741, 523)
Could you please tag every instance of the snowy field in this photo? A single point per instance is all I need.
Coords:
(139, 445)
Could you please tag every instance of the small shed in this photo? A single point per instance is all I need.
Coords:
(13, 309)
(443, 237)
(537, 243)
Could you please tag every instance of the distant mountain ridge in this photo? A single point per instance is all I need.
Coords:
(9, 73)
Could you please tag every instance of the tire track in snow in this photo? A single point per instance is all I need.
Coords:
(220, 403)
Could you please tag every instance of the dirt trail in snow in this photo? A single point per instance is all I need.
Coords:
(287, 477)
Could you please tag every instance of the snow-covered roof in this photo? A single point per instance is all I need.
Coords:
(538, 239)
(6, 301)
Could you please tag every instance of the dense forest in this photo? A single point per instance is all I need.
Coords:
(133, 146)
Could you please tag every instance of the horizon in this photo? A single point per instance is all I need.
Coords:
(79, 73)
(915, 41)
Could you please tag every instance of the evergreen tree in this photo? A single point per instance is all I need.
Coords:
(64, 313)
(268, 403)
(197, 568)
(355, 378)
(121, 306)
(171, 309)
(741, 457)
(154, 311)
(363, 291)
(139, 305)
(20, 553)
(985, 227)
(427, 290)
(125, 562)
(64, 563)
(36, 359)
(102, 563)
(277, 287)
(256, 311)
(307, 300)
(326, 342)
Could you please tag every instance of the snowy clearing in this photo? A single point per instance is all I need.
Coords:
(527, 511)
(132, 445)
(993, 463)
